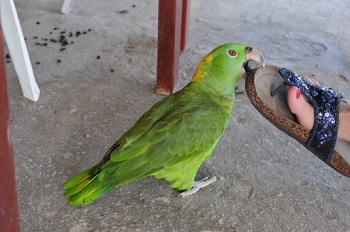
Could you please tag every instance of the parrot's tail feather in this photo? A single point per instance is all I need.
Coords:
(79, 178)
(84, 187)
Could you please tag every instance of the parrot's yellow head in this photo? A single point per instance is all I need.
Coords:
(219, 71)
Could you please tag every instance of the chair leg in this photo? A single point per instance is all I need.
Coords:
(18, 50)
(169, 33)
(67, 6)
(9, 219)
(184, 24)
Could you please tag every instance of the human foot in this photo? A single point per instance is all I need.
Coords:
(266, 90)
(305, 112)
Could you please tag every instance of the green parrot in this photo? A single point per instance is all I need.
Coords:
(173, 138)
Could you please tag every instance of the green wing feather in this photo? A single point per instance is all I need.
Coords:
(169, 141)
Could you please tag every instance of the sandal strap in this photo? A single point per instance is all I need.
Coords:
(325, 101)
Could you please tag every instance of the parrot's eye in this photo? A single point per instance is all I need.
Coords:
(232, 53)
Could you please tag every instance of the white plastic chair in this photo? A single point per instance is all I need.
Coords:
(67, 6)
(15, 42)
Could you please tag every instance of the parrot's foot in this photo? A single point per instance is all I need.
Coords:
(197, 185)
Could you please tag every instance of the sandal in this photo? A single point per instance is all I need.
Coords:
(265, 89)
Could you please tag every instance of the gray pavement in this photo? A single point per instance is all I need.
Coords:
(266, 180)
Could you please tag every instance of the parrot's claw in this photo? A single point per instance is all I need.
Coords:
(197, 185)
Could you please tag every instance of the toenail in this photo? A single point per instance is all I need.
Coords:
(298, 93)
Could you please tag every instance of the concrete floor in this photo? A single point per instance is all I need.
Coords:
(267, 181)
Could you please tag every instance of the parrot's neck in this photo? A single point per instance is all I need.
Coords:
(223, 93)
(214, 81)
(225, 100)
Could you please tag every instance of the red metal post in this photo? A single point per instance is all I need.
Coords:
(184, 24)
(169, 34)
(9, 217)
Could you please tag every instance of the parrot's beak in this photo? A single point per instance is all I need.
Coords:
(253, 60)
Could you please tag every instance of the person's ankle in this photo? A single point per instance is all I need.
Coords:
(344, 121)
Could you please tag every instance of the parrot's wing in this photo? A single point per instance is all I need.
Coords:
(141, 127)
(172, 148)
